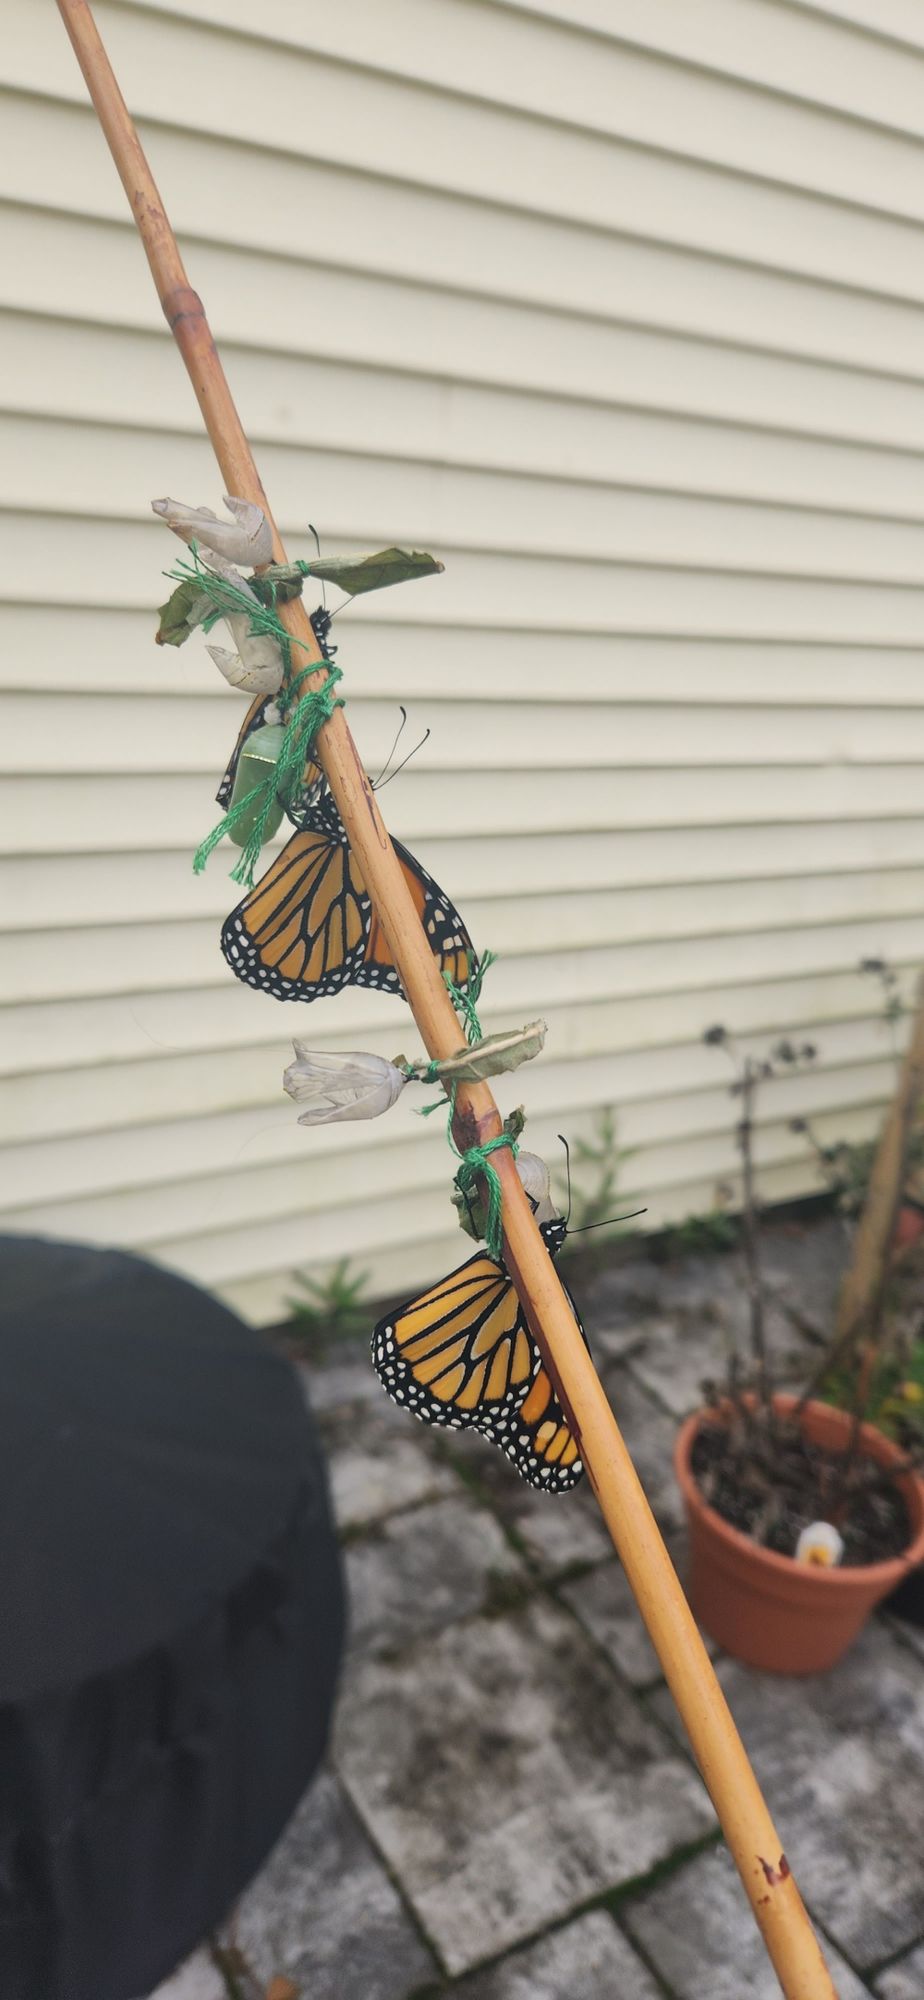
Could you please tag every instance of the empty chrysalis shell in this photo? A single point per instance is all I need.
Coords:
(246, 538)
(534, 1175)
(256, 674)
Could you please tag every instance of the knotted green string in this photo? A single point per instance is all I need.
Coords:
(475, 1165)
(226, 598)
(282, 781)
(302, 724)
(465, 1004)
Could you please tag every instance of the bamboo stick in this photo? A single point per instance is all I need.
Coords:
(746, 1822)
(864, 1278)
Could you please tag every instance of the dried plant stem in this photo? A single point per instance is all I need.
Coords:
(866, 1277)
(749, 1082)
(863, 1292)
(746, 1822)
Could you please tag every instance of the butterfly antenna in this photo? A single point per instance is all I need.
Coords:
(608, 1219)
(398, 734)
(317, 542)
(568, 1167)
(400, 767)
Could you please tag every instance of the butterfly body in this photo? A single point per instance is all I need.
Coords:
(461, 1355)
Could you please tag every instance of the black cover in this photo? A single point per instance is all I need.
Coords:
(171, 1616)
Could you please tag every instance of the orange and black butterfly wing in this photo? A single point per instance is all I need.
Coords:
(252, 720)
(446, 933)
(307, 928)
(459, 1354)
(462, 1355)
(540, 1442)
(301, 932)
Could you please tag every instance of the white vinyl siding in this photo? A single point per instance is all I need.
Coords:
(618, 305)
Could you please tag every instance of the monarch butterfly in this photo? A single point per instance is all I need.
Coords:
(309, 929)
(462, 1355)
(257, 715)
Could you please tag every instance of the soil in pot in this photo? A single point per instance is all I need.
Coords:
(802, 1485)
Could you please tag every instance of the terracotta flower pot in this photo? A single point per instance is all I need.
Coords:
(769, 1610)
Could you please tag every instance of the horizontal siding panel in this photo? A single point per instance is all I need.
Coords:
(106, 473)
(64, 891)
(70, 1035)
(257, 307)
(112, 734)
(129, 958)
(119, 813)
(241, 1141)
(498, 588)
(620, 311)
(807, 57)
(171, 1087)
(253, 199)
(132, 379)
(551, 70)
(900, 19)
(53, 648)
(366, 123)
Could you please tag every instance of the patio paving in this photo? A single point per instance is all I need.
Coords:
(510, 1812)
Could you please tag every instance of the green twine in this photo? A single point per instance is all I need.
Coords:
(475, 1165)
(466, 1005)
(280, 583)
(302, 723)
(226, 598)
(281, 782)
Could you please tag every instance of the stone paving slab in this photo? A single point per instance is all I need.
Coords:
(324, 1914)
(604, 1603)
(561, 1531)
(910, 1635)
(198, 1979)
(649, 1434)
(841, 1759)
(344, 1376)
(678, 1355)
(421, 1570)
(380, 1460)
(803, 1265)
(557, 1530)
(904, 1981)
(699, 1934)
(507, 1777)
(586, 1960)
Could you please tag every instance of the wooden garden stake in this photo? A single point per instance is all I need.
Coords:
(872, 1243)
(746, 1822)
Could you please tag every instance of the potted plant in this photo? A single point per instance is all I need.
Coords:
(803, 1515)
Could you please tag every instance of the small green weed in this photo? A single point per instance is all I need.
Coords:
(596, 1165)
(334, 1307)
(706, 1235)
(896, 1394)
